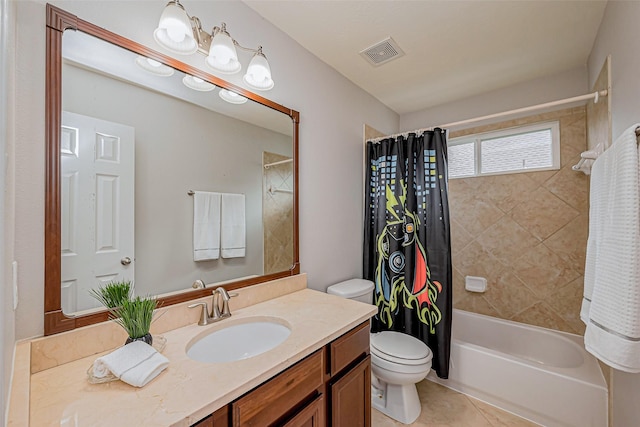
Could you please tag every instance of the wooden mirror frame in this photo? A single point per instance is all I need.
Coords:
(58, 21)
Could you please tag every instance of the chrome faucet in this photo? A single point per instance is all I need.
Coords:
(215, 315)
(225, 300)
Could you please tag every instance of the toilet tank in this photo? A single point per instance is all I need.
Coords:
(355, 289)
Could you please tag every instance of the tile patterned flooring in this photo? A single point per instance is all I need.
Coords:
(443, 407)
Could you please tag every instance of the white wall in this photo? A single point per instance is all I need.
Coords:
(332, 111)
(7, 318)
(618, 36)
(546, 89)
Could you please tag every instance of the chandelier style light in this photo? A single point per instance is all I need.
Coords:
(183, 34)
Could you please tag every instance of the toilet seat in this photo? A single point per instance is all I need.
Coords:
(399, 348)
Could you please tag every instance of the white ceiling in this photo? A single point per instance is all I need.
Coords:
(454, 49)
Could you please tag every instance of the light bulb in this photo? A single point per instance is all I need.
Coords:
(154, 67)
(196, 83)
(222, 53)
(154, 63)
(258, 74)
(232, 97)
(174, 31)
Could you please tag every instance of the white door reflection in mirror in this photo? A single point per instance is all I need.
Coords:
(97, 186)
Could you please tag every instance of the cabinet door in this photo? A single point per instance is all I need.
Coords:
(311, 415)
(351, 397)
(279, 396)
(220, 418)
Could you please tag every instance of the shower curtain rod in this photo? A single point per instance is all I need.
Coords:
(595, 96)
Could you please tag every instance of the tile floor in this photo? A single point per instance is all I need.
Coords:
(443, 407)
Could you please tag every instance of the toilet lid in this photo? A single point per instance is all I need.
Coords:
(400, 348)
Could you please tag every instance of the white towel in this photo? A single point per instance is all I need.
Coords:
(206, 226)
(233, 226)
(136, 363)
(612, 269)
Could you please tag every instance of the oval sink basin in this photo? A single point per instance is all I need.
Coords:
(238, 342)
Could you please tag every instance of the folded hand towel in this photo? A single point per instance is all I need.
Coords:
(206, 226)
(233, 226)
(136, 363)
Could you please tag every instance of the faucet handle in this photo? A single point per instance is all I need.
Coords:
(204, 314)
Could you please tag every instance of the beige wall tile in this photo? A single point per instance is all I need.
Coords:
(460, 237)
(543, 271)
(477, 304)
(509, 295)
(566, 301)
(571, 187)
(537, 249)
(508, 191)
(458, 286)
(475, 213)
(474, 260)
(570, 242)
(507, 240)
(541, 315)
(542, 176)
(543, 213)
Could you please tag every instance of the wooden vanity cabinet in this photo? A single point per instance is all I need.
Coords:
(331, 387)
(349, 386)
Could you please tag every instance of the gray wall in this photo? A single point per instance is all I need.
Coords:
(550, 88)
(195, 149)
(332, 111)
(618, 36)
(7, 318)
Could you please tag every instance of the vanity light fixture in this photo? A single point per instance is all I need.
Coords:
(183, 34)
(196, 83)
(232, 97)
(154, 67)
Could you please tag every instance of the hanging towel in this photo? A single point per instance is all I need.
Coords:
(206, 226)
(611, 304)
(136, 363)
(233, 226)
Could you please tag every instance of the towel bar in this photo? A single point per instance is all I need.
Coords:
(587, 158)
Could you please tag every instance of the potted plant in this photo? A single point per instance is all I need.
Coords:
(133, 314)
(113, 293)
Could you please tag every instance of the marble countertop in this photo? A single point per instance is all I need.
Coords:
(187, 390)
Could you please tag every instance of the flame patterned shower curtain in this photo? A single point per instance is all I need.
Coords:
(407, 248)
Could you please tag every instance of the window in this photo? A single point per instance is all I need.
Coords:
(522, 149)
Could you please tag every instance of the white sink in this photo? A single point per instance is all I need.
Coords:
(238, 341)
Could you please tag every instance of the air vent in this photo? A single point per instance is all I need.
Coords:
(382, 52)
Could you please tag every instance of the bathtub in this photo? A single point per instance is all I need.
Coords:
(539, 374)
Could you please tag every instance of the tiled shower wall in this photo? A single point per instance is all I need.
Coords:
(526, 233)
(277, 214)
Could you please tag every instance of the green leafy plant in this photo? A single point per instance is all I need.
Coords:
(113, 293)
(135, 315)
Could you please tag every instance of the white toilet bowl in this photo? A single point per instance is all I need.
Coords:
(398, 361)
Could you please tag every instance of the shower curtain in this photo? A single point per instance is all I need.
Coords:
(407, 249)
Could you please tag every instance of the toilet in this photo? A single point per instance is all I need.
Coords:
(398, 361)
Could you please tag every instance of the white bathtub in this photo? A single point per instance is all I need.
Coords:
(539, 374)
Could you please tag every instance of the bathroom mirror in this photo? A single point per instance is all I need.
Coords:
(158, 137)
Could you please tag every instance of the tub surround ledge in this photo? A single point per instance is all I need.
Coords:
(187, 390)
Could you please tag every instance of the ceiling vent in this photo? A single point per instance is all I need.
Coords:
(382, 52)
